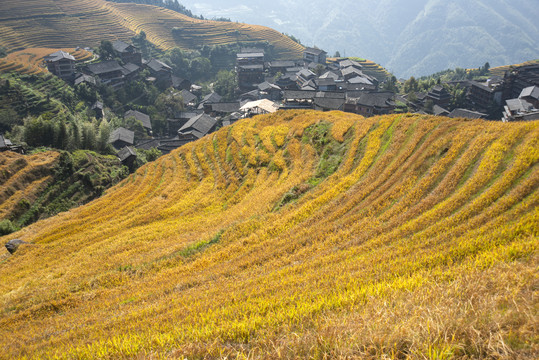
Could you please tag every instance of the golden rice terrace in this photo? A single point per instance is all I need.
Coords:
(295, 235)
(71, 23)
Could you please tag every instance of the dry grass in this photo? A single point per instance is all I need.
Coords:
(421, 245)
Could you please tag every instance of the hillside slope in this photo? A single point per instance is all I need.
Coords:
(295, 235)
(69, 23)
(46, 183)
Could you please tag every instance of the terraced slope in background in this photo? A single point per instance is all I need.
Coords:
(501, 70)
(297, 234)
(70, 23)
(30, 61)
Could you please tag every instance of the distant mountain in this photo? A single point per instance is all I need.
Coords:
(409, 37)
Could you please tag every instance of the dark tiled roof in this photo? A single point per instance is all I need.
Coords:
(120, 46)
(464, 113)
(122, 134)
(254, 94)
(201, 124)
(330, 95)
(293, 70)
(329, 75)
(85, 78)
(213, 98)
(228, 107)
(178, 81)
(347, 62)
(282, 63)
(351, 71)
(314, 51)
(375, 99)
(325, 81)
(187, 96)
(157, 65)
(530, 91)
(329, 103)
(265, 86)
(148, 144)
(299, 94)
(305, 73)
(104, 67)
(359, 80)
(59, 55)
(130, 67)
(168, 145)
(145, 119)
(478, 85)
(439, 111)
(2, 142)
(125, 153)
(518, 105)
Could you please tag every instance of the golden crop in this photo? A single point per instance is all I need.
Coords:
(68, 23)
(30, 61)
(421, 243)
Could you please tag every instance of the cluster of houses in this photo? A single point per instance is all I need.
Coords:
(265, 86)
(516, 93)
(112, 72)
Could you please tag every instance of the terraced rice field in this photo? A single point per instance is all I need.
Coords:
(30, 61)
(501, 70)
(57, 24)
(298, 234)
(69, 23)
(22, 179)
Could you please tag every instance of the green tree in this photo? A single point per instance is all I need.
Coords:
(89, 138)
(106, 51)
(8, 119)
(169, 102)
(411, 85)
(429, 106)
(61, 135)
(200, 68)
(178, 61)
(86, 93)
(412, 98)
(226, 84)
(142, 43)
(103, 145)
(390, 84)
(458, 98)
